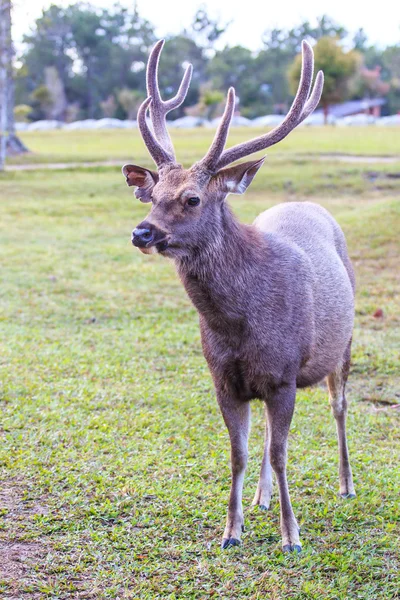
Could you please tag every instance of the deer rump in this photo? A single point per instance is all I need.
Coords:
(325, 298)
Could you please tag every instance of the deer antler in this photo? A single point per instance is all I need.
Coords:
(221, 134)
(303, 105)
(160, 145)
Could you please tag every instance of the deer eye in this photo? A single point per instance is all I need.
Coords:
(193, 201)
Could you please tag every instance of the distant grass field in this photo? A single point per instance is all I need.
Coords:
(114, 457)
(116, 144)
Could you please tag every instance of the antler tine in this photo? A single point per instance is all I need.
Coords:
(181, 94)
(158, 153)
(221, 134)
(299, 108)
(159, 108)
(314, 98)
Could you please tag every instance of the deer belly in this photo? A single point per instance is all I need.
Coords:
(332, 340)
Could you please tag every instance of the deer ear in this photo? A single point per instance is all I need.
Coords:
(143, 179)
(236, 180)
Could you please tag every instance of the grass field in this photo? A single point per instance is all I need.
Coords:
(126, 145)
(114, 457)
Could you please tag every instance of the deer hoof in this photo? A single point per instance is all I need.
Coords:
(263, 507)
(348, 496)
(292, 548)
(227, 542)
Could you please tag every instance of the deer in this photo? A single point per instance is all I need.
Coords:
(275, 299)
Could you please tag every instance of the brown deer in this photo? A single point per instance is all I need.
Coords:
(275, 299)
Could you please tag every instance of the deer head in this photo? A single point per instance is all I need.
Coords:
(188, 206)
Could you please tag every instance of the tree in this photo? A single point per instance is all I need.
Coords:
(289, 41)
(206, 30)
(130, 100)
(371, 83)
(391, 64)
(211, 99)
(339, 69)
(271, 67)
(42, 100)
(86, 55)
(109, 106)
(178, 51)
(49, 100)
(3, 81)
(94, 52)
(22, 112)
(236, 67)
(116, 37)
(210, 103)
(47, 45)
(360, 40)
(326, 27)
(55, 85)
(280, 49)
(10, 143)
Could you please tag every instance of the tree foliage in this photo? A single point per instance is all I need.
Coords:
(339, 67)
(22, 112)
(94, 52)
(205, 29)
(98, 58)
(130, 100)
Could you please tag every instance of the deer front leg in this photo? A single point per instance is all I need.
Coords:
(263, 493)
(280, 406)
(236, 414)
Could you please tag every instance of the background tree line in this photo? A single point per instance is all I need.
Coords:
(83, 62)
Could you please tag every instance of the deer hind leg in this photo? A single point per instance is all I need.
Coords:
(263, 493)
(236, 414)
(280, 406)
(337, 398)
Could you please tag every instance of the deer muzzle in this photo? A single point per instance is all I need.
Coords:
(149, 239)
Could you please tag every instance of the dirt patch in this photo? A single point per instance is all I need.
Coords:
(348, 158)
(18, 556)
(15, 501)
(16, 559)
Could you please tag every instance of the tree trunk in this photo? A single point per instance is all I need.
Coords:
(90, 92)
(12, 142)
(55, 85)
(326, 114)
(3, 84)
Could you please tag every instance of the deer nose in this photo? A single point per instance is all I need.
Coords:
(141, 236)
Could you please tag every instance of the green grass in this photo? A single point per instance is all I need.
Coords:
(114, 457)
(69, 146)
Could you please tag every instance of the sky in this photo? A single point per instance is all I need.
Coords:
(250, 18)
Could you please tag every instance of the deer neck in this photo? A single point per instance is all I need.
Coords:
(220, 275)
